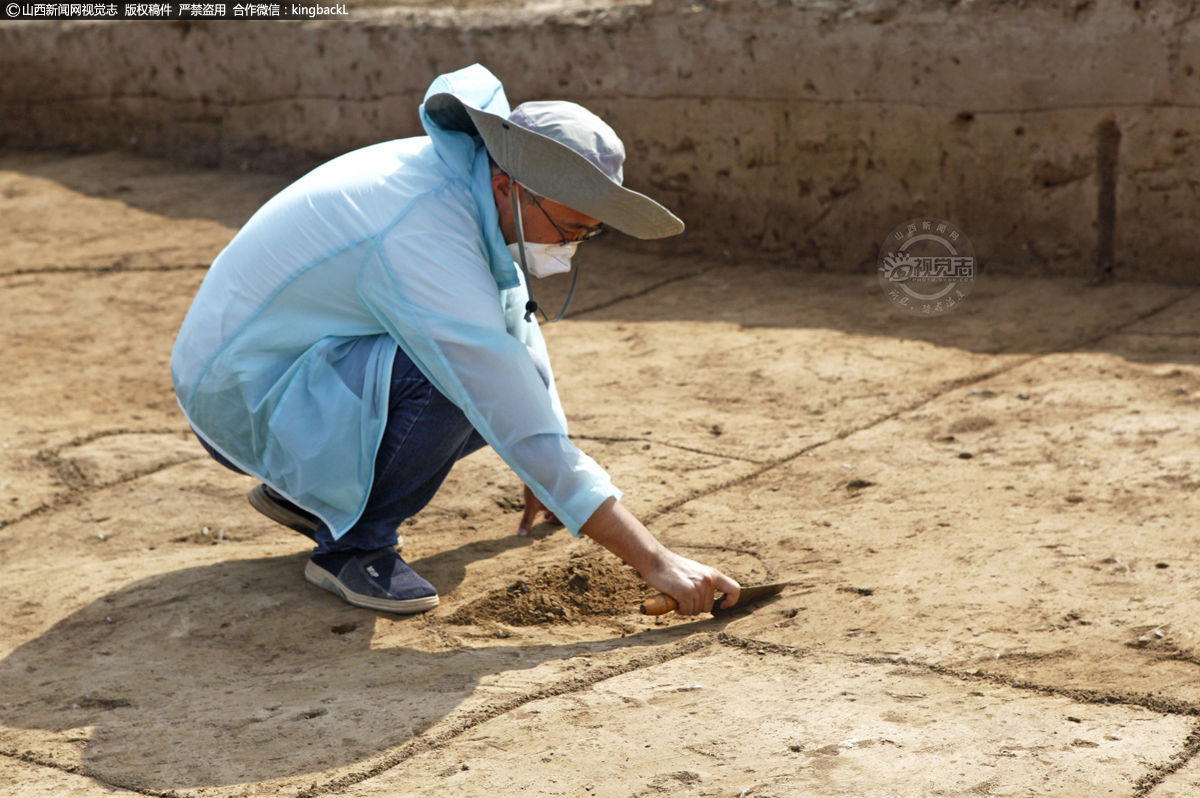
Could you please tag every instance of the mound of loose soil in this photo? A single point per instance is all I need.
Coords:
(562, 594)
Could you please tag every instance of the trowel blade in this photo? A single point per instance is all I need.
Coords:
(748, 595)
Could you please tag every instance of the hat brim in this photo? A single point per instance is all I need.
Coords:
(555, 171)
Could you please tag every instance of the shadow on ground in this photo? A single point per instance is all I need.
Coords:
(226, 674)
(447, 569)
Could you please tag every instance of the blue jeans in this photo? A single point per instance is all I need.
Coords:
(426, 435)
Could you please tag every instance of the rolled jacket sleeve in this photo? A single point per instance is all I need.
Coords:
(428, 283)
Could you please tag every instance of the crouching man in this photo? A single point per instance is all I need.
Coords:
(373, 323)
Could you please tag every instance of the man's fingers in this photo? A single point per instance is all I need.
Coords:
(700, 598)
(532, 507)
(708, 596)
(730, 588)
(527, 517)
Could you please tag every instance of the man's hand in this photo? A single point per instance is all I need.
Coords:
(690, 583)
(533, 506)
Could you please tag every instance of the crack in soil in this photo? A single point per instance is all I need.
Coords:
(759, 648)
(1166, 706)
(1177, 760)
(78, 770)
(947, 387)
(700, 493)
(424, 743)
(75, 495)
(606, 439)
(640, 292)
(472, 719)
(113, 268)
(78, 486)
(92, 437)
(1142, 787)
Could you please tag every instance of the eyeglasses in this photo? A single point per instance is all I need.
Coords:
(587, 234)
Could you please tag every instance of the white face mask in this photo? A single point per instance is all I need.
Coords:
(543, 260)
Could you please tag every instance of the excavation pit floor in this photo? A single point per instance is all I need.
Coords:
(990, 517)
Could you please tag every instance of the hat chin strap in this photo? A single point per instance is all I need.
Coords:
(531, 306)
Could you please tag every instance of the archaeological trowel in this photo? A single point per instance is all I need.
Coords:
(662, 603)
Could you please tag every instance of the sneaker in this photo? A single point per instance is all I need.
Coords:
(282, 511)
(376, 579)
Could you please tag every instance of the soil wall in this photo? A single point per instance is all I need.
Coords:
(1061, 137)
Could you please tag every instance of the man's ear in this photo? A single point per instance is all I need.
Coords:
(501, 186)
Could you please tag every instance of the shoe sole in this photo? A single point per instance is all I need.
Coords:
(260, 501)
(318, 576)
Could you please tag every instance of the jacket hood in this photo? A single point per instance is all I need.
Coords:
(475, 86)
(462, 149)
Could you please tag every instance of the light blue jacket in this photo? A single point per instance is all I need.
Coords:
(283, 362)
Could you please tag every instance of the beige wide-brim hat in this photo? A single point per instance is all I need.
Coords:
(565, 153)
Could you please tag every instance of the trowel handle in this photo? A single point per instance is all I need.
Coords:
(659, 605)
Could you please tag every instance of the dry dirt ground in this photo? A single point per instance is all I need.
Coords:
(990, 517)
